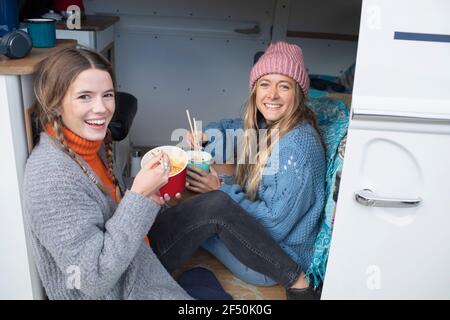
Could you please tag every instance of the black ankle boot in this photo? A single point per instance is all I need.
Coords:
(302, 294)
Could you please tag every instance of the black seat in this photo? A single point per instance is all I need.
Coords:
(126, 108)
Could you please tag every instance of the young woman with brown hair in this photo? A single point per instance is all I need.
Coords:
(87, 236)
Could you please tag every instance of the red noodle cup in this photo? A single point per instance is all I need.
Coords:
(179, 158)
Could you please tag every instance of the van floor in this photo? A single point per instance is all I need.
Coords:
(238, 289)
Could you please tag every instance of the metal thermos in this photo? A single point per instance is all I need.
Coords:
(135, 163)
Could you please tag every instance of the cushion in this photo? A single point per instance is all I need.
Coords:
(332, 119)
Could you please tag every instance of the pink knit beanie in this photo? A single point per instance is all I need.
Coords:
(285, 59)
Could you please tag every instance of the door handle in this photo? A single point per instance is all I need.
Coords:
(368, 198)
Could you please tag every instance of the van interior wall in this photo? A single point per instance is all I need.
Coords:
(319, 27)
(197, 54)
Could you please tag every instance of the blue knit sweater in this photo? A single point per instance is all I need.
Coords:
(290, 202)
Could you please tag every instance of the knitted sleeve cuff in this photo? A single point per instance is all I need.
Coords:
(137, 212)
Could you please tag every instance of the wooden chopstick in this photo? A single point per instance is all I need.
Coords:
(190, 125)
(197, 146)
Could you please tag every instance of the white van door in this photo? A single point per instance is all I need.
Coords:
(390, 237)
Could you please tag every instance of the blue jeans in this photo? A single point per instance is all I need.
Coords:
(218, 249)
(178, 231)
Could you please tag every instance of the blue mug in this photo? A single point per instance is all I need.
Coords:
(42, 32)
(200, 159)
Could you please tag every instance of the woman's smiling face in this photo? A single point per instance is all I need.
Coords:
(274, 96)
(89, 104)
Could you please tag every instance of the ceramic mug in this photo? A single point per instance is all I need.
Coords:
(200, 159)
(42, 32)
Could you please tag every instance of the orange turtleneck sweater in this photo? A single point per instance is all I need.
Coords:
(88, 151)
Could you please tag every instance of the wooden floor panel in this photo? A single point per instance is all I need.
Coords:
(238, 289)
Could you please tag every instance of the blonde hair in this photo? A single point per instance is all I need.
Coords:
(57, 72)
(248, 174)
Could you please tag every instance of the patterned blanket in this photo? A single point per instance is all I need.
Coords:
(332, 117)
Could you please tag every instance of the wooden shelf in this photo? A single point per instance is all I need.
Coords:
(30, 63)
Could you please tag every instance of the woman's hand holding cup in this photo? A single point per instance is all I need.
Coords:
(152, 177)
(201, 181)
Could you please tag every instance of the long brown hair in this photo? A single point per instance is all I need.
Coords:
(57, 72)
(248, 174)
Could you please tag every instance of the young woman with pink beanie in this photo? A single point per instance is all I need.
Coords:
(262, 225)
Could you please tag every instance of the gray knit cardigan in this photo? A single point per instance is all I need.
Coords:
(84, 245)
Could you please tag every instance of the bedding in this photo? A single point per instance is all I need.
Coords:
(332, 117)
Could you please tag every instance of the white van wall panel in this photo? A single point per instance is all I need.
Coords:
(281, 20)
(207, 76)
(403, 75)
(326, 16)
(208, 28)
(260, 11)
(328, 57)
(237, 9)
(157, 61)
(189, 17)
(323, 56)
(174, 55)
